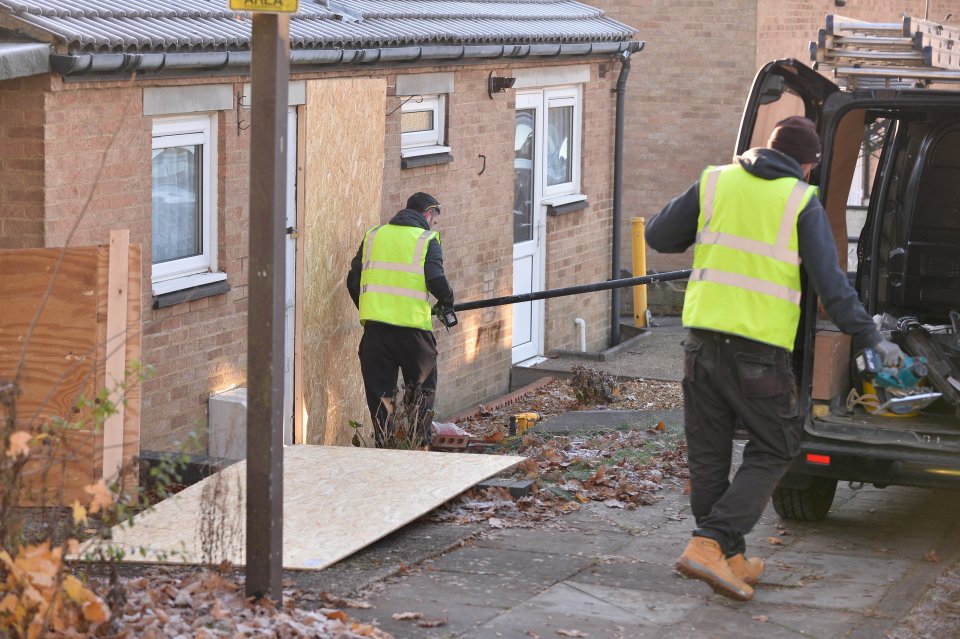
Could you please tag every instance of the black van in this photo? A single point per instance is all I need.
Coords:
(890, 184)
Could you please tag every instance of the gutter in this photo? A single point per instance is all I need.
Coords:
(90, 63)
(621, 91)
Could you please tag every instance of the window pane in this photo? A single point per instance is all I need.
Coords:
(414, 121)
(524, 147)
(177, 219)
(559, 145)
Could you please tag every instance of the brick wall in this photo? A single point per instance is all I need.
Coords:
(684, 97)
(786, 28)
(21, 162)
(197, 347)
(578, 244)
(475, 229)
(688, 85)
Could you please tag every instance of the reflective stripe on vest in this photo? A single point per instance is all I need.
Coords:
(746, 275)
(392, 285)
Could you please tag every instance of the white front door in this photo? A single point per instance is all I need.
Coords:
(291, 284)
(528, 226)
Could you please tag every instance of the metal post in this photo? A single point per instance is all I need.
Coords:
(639, 270)
(270, 69)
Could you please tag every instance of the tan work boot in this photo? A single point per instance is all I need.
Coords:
(748, 570)
(702, 559)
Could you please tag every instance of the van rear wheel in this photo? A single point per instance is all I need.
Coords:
(805, 504)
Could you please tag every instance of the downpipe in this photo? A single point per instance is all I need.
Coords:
(621, 91)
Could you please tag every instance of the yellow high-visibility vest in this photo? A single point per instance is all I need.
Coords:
(393, 289)
(746, 260)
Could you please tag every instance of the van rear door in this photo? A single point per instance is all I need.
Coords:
(782, 88)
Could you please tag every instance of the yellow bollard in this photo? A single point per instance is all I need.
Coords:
(639, 269)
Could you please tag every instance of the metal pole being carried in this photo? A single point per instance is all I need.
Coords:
(575, 290)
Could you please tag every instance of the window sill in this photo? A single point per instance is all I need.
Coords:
(561, 205)
(415, 151)
(191, 287)
(431, 159)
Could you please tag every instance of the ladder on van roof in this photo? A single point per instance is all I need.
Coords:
(910, 53)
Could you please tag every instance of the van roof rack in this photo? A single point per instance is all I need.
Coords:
(907, 54)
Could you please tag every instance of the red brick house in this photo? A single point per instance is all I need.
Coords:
(117, 114)
(688, 87)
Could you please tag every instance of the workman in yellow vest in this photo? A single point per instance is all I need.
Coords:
(753, 225)
(396, 269)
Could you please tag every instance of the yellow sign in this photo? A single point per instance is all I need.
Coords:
(265, 6)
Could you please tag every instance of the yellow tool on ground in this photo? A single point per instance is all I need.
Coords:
(521, 422)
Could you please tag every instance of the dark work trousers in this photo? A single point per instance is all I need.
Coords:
(727, 378)
(385, 350)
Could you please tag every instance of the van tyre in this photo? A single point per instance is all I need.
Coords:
(805, 504)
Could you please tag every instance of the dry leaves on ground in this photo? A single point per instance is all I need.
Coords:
(620, 468)
(207, 605)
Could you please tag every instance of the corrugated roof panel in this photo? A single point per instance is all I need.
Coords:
(184, 25)
(468, 9)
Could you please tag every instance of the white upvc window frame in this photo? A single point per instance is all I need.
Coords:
(430, 141)
(563, 97)
(198, 269)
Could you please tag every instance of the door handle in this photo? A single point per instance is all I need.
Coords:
(293, 232)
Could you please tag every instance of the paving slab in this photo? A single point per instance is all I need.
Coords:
(567, 607)
(511, 565)
(718, 618)
(596, 421)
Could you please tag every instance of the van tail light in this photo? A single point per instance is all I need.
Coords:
(823, 460)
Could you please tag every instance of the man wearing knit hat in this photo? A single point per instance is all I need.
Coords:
(397, 267)
(753, 225)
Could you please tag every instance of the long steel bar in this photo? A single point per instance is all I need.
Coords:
(574, 290)
(265, 315)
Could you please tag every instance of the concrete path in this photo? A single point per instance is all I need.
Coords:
(608, 573)
(656, 354)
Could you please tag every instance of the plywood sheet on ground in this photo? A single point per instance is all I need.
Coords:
(342, 181)
(336, 501)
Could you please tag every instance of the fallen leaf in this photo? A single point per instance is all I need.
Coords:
(79, 513)
(686, 488)
(776, 541)
(19, 444)
(614, 503)
(932, 557)
(339, 615)
(572, 633)
(761, 618)
(96, 611)
(660, 426)
(407, 616)
(494, 438)
(431, 623)
(530, 467)
(531, 633)
(496, 522)
(102, 497)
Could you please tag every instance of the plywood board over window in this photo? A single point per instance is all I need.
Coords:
(343, 176)
(53, 340)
